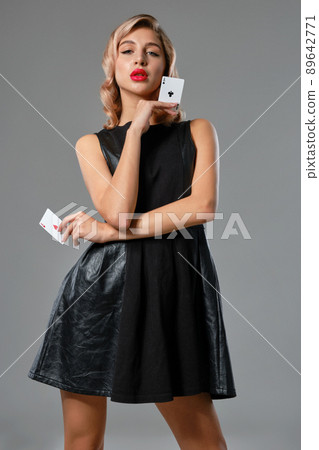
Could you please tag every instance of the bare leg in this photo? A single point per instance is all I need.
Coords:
(194, 422)
(84, 418)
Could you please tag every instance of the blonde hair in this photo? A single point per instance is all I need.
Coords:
(109, 90)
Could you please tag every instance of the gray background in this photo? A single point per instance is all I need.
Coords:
(237, 58)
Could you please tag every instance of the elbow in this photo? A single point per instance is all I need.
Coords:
(206, 206)
(107, 217)
(209, 208)
(116, 219)
(120, 221)
(111, 219)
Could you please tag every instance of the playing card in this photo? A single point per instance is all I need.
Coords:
(50, 223)
(171, 90)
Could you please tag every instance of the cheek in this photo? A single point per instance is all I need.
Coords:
(117, 67)
(160, 68)
(119, 70)
(155, 68)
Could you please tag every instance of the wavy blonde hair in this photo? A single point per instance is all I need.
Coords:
(109, 90)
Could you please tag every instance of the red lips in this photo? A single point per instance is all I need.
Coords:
(139, 72)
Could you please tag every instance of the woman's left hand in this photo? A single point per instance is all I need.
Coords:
(81, 225)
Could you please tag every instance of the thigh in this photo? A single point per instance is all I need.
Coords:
(84, 416)
(193, 420)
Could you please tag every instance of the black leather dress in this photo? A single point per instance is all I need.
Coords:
(141, 320)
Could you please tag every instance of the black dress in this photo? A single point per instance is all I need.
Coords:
(141, 320)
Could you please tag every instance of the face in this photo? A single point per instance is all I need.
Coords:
(140, 53)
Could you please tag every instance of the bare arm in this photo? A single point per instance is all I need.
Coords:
(111, 195)
(187, 211)
(183, 213)
(125, 180)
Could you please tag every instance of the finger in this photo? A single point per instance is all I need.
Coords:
(67, 233)
(164, 104)
(174, 112)
(67, 219)
(71, 218)
(76, 234)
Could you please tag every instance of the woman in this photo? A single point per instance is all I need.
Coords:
(138, 318)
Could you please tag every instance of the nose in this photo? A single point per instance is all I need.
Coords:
(140, 59)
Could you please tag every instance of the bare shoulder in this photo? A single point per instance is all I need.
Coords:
(201, 125)
(88, 146)
(87, 140)
(203, 131)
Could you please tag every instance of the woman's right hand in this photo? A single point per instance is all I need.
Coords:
(144, 111)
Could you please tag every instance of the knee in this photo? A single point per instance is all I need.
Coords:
(84, 442)
(191, 446)
(207, 444)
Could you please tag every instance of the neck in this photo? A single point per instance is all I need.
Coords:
(123, 121)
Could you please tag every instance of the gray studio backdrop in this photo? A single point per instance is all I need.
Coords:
(240, 61)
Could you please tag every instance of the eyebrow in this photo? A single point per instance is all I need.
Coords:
(147, 43)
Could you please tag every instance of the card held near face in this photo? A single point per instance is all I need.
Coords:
(171, 90)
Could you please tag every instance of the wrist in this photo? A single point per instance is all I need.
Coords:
(135, 131)
(107, 233)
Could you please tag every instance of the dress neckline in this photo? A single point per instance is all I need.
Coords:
(127, 123)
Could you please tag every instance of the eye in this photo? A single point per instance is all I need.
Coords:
(131, 50)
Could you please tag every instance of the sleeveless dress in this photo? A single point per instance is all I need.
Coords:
(141, 320)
